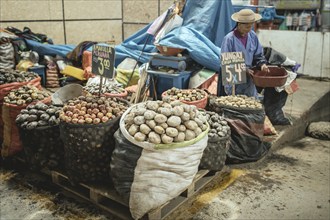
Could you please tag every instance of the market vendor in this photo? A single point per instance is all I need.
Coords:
(243, 39)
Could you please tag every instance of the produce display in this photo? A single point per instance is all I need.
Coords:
(185, 94)
(238, 101)
(215, 154)
(25, 95)
(219, 127)
(10, 76)
(87, 126)
(38, 115)
(92, 110)
(161, 122)
(94, 88)
(40, 135)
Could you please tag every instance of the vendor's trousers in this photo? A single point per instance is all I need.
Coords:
(274, 102)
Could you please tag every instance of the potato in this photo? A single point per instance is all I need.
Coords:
(186, 108)
(189, 135)
(141, 111)
(166, 139)
(145, 129)
(199, 122)
(149, 114)
(166, 105)
(159, 130)
(180, 138)
(140, 137)
(177, 110)
(151, 123)
(172, 132)
(204, 127)
(139, 120)
(192, 125)
(192, 115)
(133, 129)
(185, 116)
(154, 138)
(174, 121)
(163, 125)
(159, 118)
(152, 105)
(165, 111)
(175, 103)
(202, 118)
(198, 131)
(181, 128)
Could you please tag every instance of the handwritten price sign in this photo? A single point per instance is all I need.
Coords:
(103, 60)
(233, 68)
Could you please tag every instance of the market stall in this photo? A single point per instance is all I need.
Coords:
(115, 115)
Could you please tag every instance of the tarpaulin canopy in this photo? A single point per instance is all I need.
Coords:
(205, 23)
(49, 49)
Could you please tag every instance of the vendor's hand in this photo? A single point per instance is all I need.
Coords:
(249, 71)
(265, 68)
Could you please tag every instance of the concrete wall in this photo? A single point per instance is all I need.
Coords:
(310, 49)
(73, 21)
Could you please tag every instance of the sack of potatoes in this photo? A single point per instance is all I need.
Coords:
(160, 122)
(195, 97)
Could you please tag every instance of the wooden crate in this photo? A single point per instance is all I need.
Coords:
(106, 198)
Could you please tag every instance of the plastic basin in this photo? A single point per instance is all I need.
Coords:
(276, 77)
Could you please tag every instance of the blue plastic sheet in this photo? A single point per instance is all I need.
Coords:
(132, 47)
(205, 23)
(49, 49)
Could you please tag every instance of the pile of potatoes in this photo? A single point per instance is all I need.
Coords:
(239, 101)
(92, 110)
(161, 122)
(219, 127)
(38, 115)
(25, 95)
(188, 95)
(94, 88)
(11, 76)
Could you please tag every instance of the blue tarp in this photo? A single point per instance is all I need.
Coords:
(49, 49)
(205, 23)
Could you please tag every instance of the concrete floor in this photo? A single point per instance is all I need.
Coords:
(292, 183)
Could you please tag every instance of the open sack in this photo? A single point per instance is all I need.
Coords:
(153, 173)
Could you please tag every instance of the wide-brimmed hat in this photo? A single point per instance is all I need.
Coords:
(246, 16)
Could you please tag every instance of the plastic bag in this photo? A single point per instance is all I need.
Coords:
(247, 129)
(175, 21)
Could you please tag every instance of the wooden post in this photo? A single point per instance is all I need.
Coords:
(256, 3)
(101, 82)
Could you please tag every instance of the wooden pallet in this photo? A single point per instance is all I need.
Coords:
(106, 198)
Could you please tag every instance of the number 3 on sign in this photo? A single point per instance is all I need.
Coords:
(104, 63)
(101, 67)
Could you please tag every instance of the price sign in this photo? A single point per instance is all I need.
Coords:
(103, 60)
(233, 68)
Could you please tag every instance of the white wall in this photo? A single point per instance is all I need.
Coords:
(310, 49)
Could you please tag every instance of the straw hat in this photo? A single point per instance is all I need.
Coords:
(246, 16)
